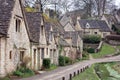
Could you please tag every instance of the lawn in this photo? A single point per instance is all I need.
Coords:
(105, 50)
(89, 74)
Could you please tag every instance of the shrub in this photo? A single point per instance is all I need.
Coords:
(67, 60)
(23, 72)
(61, 61)
(91, 39)
(64, 61)
(46, 63)
(91, 50)
(18, 73)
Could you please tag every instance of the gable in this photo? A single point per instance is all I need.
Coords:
(68, 27)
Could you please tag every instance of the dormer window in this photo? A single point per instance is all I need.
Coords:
(87, 25)
(18, 24)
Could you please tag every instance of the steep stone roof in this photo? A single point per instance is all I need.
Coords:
(95, 24)
(73, 36)
(34, 23)
(6, 8)
(62, 42)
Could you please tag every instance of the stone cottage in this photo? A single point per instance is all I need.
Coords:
(14, 38)
(93, 27)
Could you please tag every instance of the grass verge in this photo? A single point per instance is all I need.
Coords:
(89, 74)
(105, 50)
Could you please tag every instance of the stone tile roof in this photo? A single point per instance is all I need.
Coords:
(73, 36)
(6, 8)
(34, 23)
(62, 42)
(95, 24)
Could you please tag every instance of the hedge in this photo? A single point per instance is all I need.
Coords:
(91, 50)
(46, 63)
(64, 61)
(94, 39)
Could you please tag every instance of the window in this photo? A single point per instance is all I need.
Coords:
(47, 51)
(42, 29)
(42, 52)
(95, 32)
(10, 55)
(21, 56)
(50, 36)
(18, 23)
(34, 56)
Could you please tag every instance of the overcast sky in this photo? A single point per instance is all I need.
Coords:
(118, 3)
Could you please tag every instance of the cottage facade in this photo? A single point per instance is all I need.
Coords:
(14, 39)
(93, 27)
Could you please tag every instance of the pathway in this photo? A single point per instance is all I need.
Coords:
(65, 73)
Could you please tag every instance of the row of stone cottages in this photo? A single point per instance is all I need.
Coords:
(28, 34)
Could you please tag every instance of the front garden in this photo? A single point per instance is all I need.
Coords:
(91, 43)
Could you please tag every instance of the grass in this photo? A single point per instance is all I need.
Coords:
(52, 67)
(105, 71)
(89, 74)
(6, 78)
(101, 71)
(117, 67)
(105, 50)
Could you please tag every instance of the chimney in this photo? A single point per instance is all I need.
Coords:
(38, 6)
(78, 17)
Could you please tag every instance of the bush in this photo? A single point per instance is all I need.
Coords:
(91, 39)
(23, 72)
(68, 60)
(61, 61)
(91, 50)
(18, 73)
(64, 61)
(46, 63)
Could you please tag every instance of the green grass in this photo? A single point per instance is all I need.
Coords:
(101, 71)
(89, 74)
(105, 71)
(52, 67)
(105, 50)
(6, 78)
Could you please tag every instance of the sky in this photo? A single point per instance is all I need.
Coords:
(117, 3)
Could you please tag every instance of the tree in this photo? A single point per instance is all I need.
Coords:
(99, 7)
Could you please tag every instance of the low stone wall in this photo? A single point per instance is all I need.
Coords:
(113, 42)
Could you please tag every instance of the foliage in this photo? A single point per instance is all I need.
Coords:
(105, 50)
(60, 49)
(85, 56)
(94, 39)
(61, 61)
(115, 29)
(106, 71)
(52, 67)
(91, 50)
(67, 60)
(5, 78)
(101, 71)
(29, 9)
(46, 63)
(64, 61)
(18, 73)
(23, 72)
